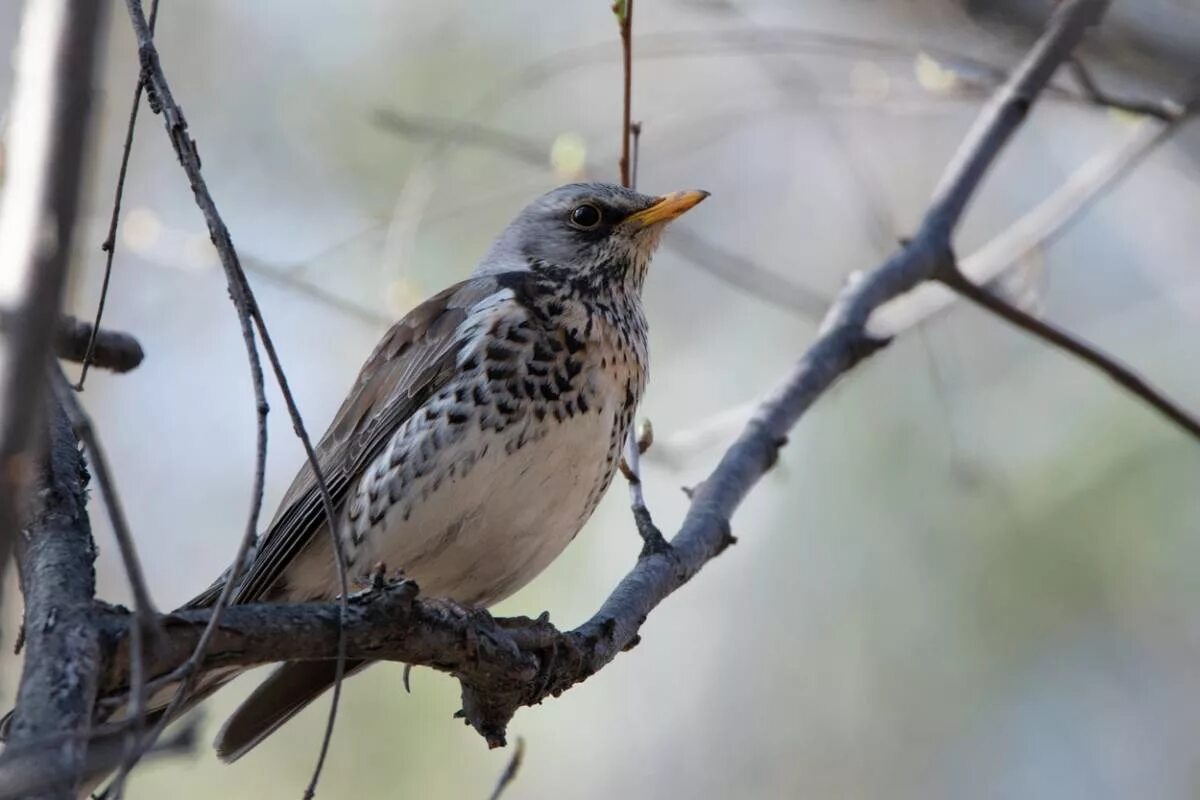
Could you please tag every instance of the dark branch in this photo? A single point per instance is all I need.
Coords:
(112, 350)
(1163, 110)
(81, 425)
(511, 769)
(624, 11)
(49, 130)
(109, 245)
(1057, 337)
(58, 581)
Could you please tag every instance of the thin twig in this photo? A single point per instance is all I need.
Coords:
(418, 126)
(248, 313)
(1057, 337)
(109, 246)
(624, 11)
(284, 277)
(510, 770)
(635, 133)
(1165, 110)
(652, 539)
(1042, 224)
(732, 268)
(160, 100)
(335, 540)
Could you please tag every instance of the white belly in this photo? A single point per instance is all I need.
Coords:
(479, 537)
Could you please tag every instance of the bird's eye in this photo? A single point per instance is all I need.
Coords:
(585, 216)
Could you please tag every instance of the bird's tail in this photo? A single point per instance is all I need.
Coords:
(290, 688)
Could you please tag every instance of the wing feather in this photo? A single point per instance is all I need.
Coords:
(413, 361)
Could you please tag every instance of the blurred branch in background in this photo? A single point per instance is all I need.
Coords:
(986, 266)
(60, 43)
(26, 767)
(44, 171)
(510, 770)
(76, 340)
(730, 268)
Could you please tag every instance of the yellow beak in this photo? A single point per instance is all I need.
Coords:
(667, 208)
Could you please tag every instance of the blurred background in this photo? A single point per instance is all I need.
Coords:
(975, 571)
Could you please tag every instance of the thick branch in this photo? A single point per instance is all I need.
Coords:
(62, 646)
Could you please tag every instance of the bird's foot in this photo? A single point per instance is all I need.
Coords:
(377, 577)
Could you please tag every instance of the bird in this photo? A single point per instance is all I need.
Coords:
(478, 437)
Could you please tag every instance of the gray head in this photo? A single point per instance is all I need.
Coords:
(598, 231)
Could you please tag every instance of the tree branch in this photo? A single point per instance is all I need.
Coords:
(50, 113)
(109, 349)
(58, 581)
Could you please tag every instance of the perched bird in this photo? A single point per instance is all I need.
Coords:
(480, 434)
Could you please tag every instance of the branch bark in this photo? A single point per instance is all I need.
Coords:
(62, 645)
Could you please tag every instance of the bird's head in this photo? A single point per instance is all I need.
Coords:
(596, 232)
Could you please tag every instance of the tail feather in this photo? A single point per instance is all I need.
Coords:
(290, 688)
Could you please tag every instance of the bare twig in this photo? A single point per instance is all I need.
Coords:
(248, 314)
(1164, 110)
(1055, 336)
(49, 129)
(284, 277)
(624, 11)
(652, 539)
(109, 246)
(418, 126)
(745, 275)
(727, 266)
(635, 134)
(510, 771)
(1035, 229)
(112, 350)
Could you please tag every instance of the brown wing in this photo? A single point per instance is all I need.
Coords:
(414, 360)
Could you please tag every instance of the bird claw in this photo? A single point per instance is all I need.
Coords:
(452, 607)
